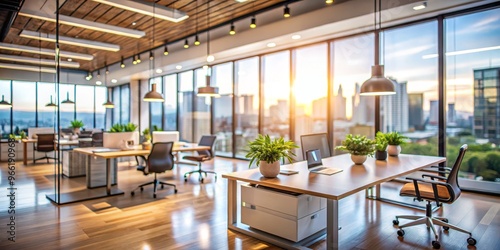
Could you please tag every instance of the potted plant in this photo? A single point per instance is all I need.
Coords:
(76, 125)
(146, 144)
(380, 146)
(358, 146)
(267, 152)
(395, 140)
(122, 136)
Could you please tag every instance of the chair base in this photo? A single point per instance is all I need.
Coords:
(41, 158)
(200, 172)
(155, 183)
(429, 221)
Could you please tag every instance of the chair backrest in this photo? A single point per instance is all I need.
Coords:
(84, 143)
(45, 142)
(164, 136)
(315, 141)
(97, 139)
(161, 159)
(85, 134)
(453, 175)
(207, 140)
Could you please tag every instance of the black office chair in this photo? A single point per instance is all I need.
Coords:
(45, 144)
(202, 156)
(436, 189)
(159, 160)
(315, 141)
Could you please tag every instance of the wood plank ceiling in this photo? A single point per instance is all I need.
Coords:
(220, 11)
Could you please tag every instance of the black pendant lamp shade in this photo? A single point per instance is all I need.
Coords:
(4, 103)
(378, 84)
(51, 103)
(67, 101)
(153, 95)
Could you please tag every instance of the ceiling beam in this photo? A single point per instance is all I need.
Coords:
(149, 9)
(48, 52)
(70, 41)
(32, 60)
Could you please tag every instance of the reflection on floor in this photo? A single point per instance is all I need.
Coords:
(195, 217)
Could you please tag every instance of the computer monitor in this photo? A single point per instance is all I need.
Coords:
(313, 158)
(315, 141)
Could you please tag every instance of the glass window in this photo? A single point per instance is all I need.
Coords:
(310, 88)
(125, 103)
(23, 105)
(85, 105)
(276, 94)
(352, 113)
(246, 109)
(118, 104)
(202, 105)
(170, 104)
(473, 55)
(155, 108)
(222, 77)
(415, 74)
(46, 94)
(5, 122)
(67, 111)
(186, 106)
(100, 111)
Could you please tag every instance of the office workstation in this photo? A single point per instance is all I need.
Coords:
(145, 124)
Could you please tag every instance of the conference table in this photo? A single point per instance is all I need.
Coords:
(352, 179)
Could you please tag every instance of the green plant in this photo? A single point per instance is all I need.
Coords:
(358, 145)
(381, 141)
(77, 124)
(263, 148)
(129, 127)
(395, 138)
(147, 135)
(156, 128)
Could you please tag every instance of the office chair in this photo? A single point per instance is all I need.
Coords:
(441, 190)
(159, 160)
(44, 144)
(315, 141)
(97, 139)
(203, 155)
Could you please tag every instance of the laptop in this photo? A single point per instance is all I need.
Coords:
(315, 165)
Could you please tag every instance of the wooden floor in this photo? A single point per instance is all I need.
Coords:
(195, 217)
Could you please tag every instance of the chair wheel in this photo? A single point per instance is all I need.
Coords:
(436, 244)
(401, 232)
(185, 179)
(161, 186)
(395, 222)
(471, 241)
(446, 228)
(201, 180)
(445, 220)
(154, 196)
(175, 191)
(142, 189)
(132, 193)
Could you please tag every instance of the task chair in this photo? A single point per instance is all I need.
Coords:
(159, 160)
(202, 156)
(44, 144)
(437, 189)
(97, 139)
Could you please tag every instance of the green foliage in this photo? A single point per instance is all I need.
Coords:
(263, 148)
(489, 175)
(358, 145)
(77, 124)
(129, 127)
(381, 142)
(395, 138)
(156, 128)
(147, 135)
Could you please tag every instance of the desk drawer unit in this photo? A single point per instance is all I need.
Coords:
(288, 215)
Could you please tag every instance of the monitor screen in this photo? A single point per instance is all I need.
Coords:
(315, 141)
(313, 158)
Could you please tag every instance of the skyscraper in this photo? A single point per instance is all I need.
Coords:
(434, 113)
(487, 104)
(363, 108)
(394, 109)
(339, 107)
(416, 111)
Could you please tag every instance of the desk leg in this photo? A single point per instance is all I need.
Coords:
(231, 202)
(332, 224)
(25, 153)
(108, 176)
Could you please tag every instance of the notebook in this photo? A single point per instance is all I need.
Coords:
(315, 165)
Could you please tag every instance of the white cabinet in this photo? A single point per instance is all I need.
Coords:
(288, 215)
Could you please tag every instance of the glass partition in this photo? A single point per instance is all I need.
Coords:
(201, 109)
(222, 77)
(186, 106)
(170, 104)
(5, 120)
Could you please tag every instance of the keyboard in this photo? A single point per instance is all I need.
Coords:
(327, 171)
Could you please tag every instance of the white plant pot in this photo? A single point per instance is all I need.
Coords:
(269, 170)
(358, 159)
(393, 150)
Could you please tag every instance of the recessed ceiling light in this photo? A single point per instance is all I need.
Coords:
(70, 60)
(270, 45)
(241, 1)
(134, 23)
(205, 67)
(98, 83)
(178, 67)
(159, 71)
(420, 6)
(114, 80)
(295, 37)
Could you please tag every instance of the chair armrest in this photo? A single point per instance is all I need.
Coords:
(434, 187)
(434, 177)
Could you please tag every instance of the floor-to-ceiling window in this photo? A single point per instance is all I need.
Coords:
(186, 105)
(201, 108)
(222, 77)
(67, 110)
(46, 94)
(246, 109)
(85, 107)
(310, 87)
(472, 62)
(276, 94)
(100, 111)
(170, 104)
(23, 105)
(5, 121)
(155, 108)
(352, 61)
(121, 99)
(413, 110)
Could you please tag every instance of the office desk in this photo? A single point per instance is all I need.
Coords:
(353, 179)
(62, 142)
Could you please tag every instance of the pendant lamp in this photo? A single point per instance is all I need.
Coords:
(4, 103)
(153, 95)
(208, 90)
(109, 104)
(378, 84)
(67, 101)
(51, 103)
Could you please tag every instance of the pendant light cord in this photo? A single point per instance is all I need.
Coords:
(208, 30)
